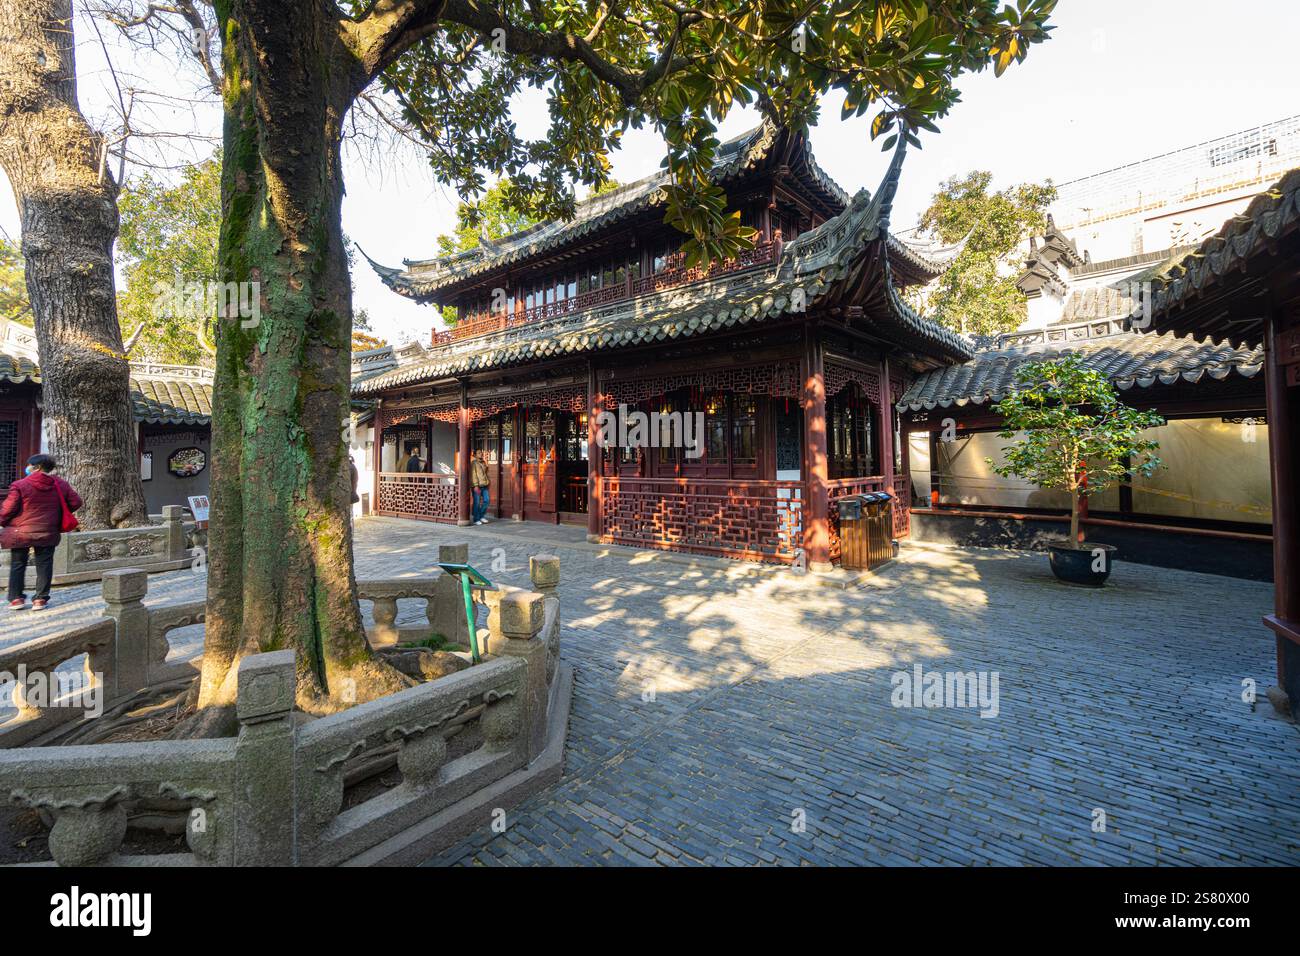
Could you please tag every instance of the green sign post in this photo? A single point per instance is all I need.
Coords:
(469, 577)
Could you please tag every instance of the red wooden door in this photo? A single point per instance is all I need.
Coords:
(547, 472)
(505, 503)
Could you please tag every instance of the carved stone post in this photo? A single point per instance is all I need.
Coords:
(448, 617)
(522, 616)
(384, 610)
(174, 522)
(544, 569)
(124, 590)
(264, 772)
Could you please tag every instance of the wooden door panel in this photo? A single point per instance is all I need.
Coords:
(546, 474)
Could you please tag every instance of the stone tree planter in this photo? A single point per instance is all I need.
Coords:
(274, 794)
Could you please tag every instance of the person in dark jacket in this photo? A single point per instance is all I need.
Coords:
(31, 519)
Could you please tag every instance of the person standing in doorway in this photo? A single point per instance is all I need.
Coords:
(36, 512)
(414, 464)
(478, 474)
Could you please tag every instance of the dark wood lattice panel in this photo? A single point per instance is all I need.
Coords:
(572, 398)
(418, 496)
(839, 377)
(8, 453)
(897, 389)
(780, 380)
(442, 412)
(755, 520)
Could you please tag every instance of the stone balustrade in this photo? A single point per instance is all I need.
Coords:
(465, 744)
(125, 653)
(165, 544)
(444, 604)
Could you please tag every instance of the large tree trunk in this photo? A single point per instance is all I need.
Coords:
(280, 540)
(67, 201)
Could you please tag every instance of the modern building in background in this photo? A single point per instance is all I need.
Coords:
(1178, 198)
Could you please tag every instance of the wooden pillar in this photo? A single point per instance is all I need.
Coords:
(935, 488)
(886, 417)
(1126, 489)
(1284, 462)
(816, 531)
(462, 458)
(595, 454)
(378, 455)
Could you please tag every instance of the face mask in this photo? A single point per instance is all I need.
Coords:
(29, 470)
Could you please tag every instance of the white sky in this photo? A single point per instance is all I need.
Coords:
(1120, 80)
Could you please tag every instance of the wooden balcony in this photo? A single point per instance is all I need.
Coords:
(676, 275)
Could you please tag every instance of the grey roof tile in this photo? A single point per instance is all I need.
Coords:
(1128, 359)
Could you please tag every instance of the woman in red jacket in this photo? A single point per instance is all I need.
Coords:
(32, 519)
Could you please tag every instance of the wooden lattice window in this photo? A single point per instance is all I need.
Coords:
(852, 445)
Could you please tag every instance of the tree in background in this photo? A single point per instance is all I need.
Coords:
(168, 240)
(977, 295)
(67, 200)
(1069, 430)
(14, 304)
(362, 338)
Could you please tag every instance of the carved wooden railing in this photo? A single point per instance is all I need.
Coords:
(414, 495)
(902, 506)
(675, 275)
(754, 520)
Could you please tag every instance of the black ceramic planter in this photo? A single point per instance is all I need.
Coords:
(1087, 565)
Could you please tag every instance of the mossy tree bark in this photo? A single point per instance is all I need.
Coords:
(67, 201)
(280, 542)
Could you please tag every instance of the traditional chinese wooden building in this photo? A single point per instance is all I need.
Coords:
(795, 353)
(1242, 286)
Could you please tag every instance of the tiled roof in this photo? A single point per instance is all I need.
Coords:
(1184, 281)
(156, 396)
(18, 369)
(817, 265)
(423, 277)
(1128, 359)
(164, 401)
(915, 261)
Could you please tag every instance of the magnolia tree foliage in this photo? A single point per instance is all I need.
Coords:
(682, 68)
(977, 295)
(1071, 431)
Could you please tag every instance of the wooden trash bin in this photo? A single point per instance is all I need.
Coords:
(866, 530)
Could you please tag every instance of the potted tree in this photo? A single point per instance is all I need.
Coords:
(1071, 431)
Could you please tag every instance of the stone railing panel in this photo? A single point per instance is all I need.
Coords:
(275, 794)
(88, 788)
(41, 694)
(416, 720)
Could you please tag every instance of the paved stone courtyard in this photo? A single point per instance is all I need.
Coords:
(729, 714)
